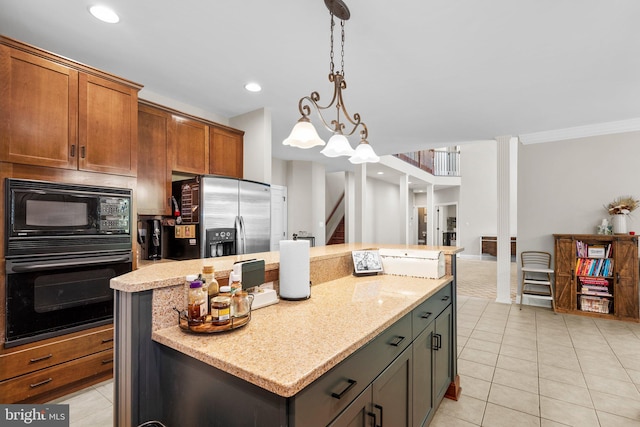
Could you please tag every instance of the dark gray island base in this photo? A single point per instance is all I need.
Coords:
(397, 377)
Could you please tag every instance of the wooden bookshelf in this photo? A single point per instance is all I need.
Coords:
(597, 275)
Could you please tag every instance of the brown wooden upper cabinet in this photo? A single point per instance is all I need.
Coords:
(57, 113)
(226, 153)
(154, 164)
(189, 141)
(170, 141)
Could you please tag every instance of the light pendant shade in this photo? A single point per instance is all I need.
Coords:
(338, 145)
(364, 154)
(303, 135)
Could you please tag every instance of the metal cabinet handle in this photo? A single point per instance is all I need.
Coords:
(107, 361)
(104, 341)
(73, 150)
(83, 151)
(40, 359)
(379, 407)
(436, 342)
(396, 341)
(426, 315)
(445, 298)
(48, 380)
(375, 420)
(618, 278)
(573, 275)
(349, 387)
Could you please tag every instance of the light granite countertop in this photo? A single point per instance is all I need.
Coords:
(286, 346)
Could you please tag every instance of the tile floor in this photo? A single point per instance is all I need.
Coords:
(526, 367)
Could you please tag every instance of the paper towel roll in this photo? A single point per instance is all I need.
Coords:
(294, 269)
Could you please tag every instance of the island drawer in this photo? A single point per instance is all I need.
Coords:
(426, 312)
(35, 357)
(325, 398)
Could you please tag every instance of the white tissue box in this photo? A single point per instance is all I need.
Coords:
(415, 263)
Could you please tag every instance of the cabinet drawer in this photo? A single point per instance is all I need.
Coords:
(34, 358)
(325, 398)
(27, 387)
(426, 312)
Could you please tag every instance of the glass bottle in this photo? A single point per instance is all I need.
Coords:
(208, 274)
(220, 310)
(197, 302)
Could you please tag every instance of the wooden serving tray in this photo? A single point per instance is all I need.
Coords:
(207, 327)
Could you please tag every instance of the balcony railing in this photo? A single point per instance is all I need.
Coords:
(436, 162)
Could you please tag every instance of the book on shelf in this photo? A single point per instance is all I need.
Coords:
(594, 267)
(601, 281)
(584, 250)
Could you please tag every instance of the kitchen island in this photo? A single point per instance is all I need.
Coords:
(277, 368)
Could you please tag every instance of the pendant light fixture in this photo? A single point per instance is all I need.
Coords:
(304, 134)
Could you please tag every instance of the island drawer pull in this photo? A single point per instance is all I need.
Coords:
(48, 380)
(107, 340)
(351, 382)
(397, 340)
(40, 359)
(426, 315)
(106, 361)
(445, 298)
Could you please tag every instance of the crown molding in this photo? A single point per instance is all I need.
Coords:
(607, 128)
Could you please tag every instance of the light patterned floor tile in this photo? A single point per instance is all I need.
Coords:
(499, 416)
(565, 392)
(512, 398)
(567, 413)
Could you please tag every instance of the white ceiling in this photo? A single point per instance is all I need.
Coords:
(422, 74)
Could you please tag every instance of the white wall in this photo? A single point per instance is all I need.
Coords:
(334, 186)
(383, 201)
(477, 211)
(563, 186)
(279, 172)
(306, 191)
(257, 143)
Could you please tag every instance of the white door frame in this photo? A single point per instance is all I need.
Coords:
(440, 223)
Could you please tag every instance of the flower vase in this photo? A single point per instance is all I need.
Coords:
(619, 223)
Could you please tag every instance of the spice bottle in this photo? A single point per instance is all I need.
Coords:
(197, 302)
(234, 282)
(220, 310)
(205, 292)
(241, 303)
(225, 291)
(208, 274)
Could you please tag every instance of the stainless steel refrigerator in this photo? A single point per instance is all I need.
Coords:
(240, 208)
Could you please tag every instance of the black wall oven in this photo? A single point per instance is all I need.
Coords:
(64, 243)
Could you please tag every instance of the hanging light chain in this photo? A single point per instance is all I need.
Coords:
(342, 48)
(331, 54)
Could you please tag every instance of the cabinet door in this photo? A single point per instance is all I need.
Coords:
(189, 141)
(422, 376)
(108, 126)
(442, 353)
(564, 274)
(154, 172)
(38, 111)
(358, 413)
(392, 392)
(625, 253)
(226, 153)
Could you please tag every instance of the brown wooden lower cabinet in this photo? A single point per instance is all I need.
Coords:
(39, 372)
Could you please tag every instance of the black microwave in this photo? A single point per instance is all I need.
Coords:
(52, 218)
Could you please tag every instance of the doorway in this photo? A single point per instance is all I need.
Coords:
(446, 224)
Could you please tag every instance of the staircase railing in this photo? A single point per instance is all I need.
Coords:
(436, 162)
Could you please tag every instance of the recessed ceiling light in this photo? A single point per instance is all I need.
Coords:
(253, 87)
(104, 14)
(380, 173)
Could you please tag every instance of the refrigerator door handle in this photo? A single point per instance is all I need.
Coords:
(238, 226)
(243, 237)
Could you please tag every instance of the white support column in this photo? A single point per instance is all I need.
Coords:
(503, 290)
(404, 210)
(361, 218)
(431, 218)
(349, 208)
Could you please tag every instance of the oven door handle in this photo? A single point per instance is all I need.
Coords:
(67, 263)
